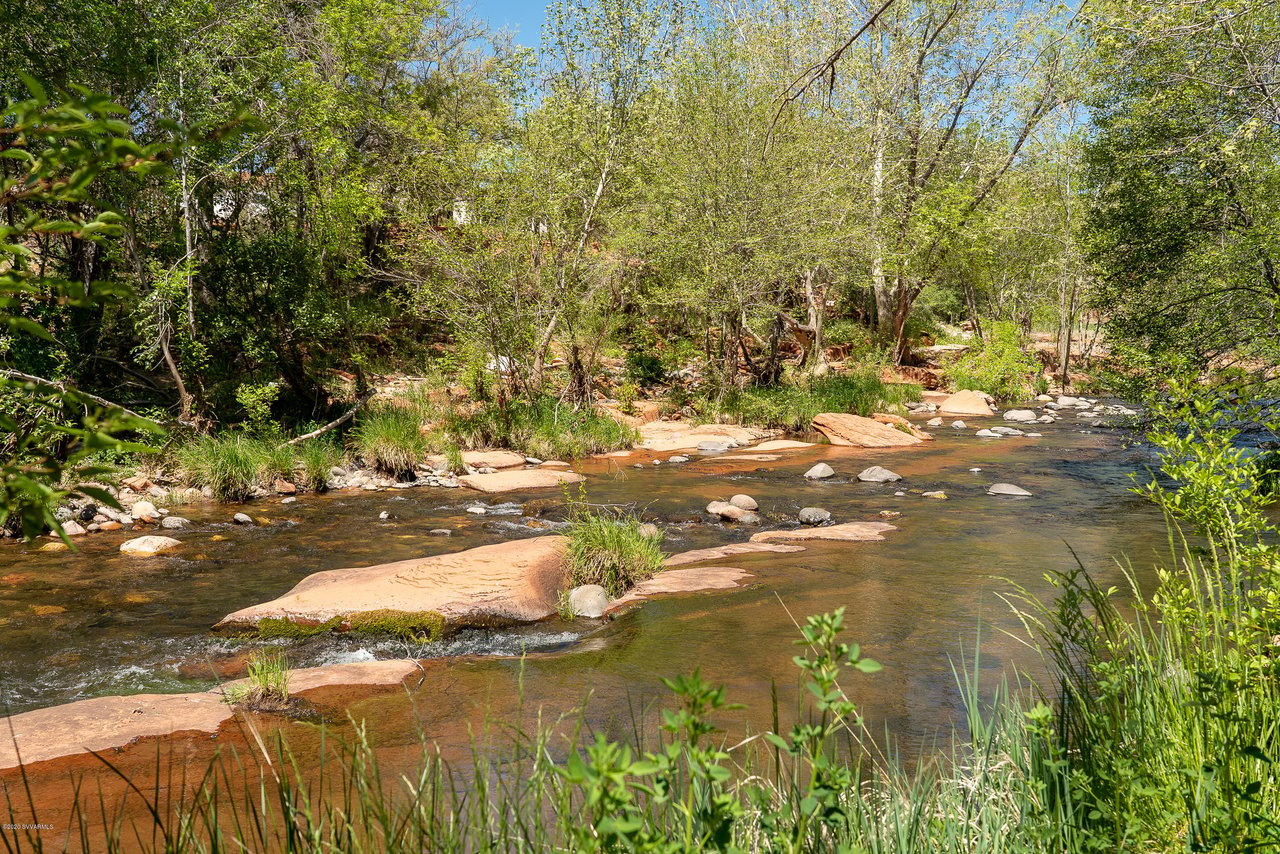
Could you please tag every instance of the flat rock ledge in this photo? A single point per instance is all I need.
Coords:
(511, 582)
(854, 431)
(848, 531)
(665, 436)
(720, 552)
(674, 581)
(113, 723)
(510, 481)
(777, 445)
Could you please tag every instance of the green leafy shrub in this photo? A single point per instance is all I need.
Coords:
(999, 366)
(644, 368)
(389, 437)
(611, 550)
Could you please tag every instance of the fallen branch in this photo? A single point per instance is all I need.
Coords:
(337, 422)
(64, 386)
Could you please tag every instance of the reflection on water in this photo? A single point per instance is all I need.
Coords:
(81, 625)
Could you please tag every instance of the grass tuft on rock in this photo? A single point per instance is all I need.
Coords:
(231, 465)
(278, 627)
(267, 687)
(616, 552)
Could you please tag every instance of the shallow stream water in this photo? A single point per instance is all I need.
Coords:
(922, 602)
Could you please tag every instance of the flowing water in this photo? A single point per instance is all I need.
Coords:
(80, 625)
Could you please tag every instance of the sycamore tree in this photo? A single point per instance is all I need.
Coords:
(1184, 223)
(946, 95)
(528, 261)
(742, 221)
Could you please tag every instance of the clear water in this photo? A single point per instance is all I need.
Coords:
(80, 625)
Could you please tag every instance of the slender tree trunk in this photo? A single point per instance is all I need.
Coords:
(879, 282)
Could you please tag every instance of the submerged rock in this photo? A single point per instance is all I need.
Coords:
(847, 531)
(1007, 489)
(242, 519)
(174, 522)
(878, 474)
(935, 494)
(507, 481)
(718, 552)
(777, 445)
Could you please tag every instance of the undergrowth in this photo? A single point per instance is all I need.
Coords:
(793, 407)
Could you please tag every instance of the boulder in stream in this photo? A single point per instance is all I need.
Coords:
(878, 474)
(588, 600)
(746, 502)
(814, 516)
(820, 471)
(512, 582)
(149, 545)
(854, 431)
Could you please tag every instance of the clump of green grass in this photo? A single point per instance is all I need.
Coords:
(230, 465)
(315, 459)
(611, 550)
(792, 407)
(543, 428)
(267, 687)
(390, 438)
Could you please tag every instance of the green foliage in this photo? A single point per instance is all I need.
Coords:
(390, 437)
(610, 549)
(266, 688)
(315, 458)
(279, 627)
(233, 465)
(54, 153)
(1183, 226)
(792, 407)
(999, 365)
(644, 368)
(257, 399)
(544, 428)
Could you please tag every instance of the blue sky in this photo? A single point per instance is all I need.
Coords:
(525, 17)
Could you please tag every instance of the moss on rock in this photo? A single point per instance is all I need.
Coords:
(420, 626)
